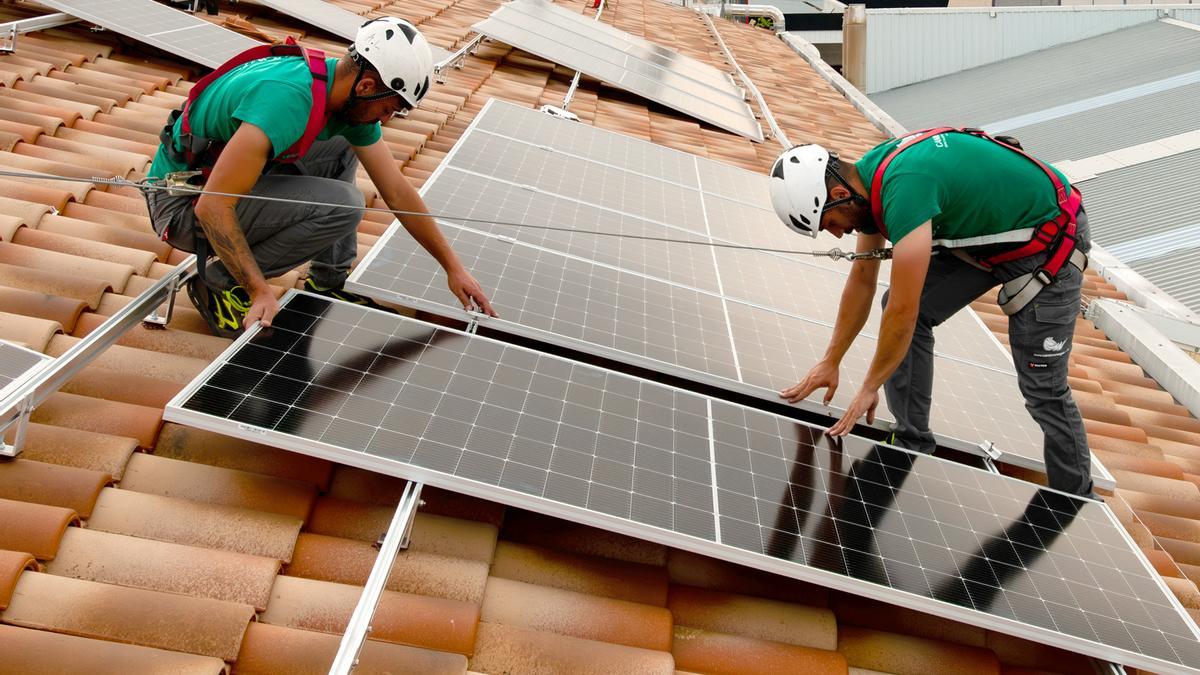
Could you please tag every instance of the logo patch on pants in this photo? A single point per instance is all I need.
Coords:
(1035, 365)
(1050, 345)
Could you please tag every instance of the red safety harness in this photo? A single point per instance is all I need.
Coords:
(1057, 235)
(200, 153)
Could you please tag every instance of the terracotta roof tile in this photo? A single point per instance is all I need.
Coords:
(205, 447)
(115, 385)
(217, 485)
(1015, 651)
(28, 331)
(39, 651)
(545, 531)
(358, 485)
(349, 562)
(161, 566)
(61, 445)
(33, 528)
(417, 620)
(115, 275)
(906, 655)
(12, 565)
(25, 480)
(53, 282)
(634, 582)
(149, 618)
(275, 650)
(148, 363)
(689, 569)
(751, 617)
(542, 608)
(455, 537)
(711, 652)
(106, 417)
(63, 311)
(512, 649)
(182, 521)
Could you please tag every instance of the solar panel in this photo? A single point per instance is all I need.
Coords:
(614, 56)
(16, 363)
(505, 423)
(160, 26)
(325, 15)
(637, 301)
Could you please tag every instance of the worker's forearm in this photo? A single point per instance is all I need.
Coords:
(895, 335)
(853, 310)
(224, 233)
(427, 233)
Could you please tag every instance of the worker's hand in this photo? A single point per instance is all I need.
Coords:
(263, 308)
(468, 291)
(824, 375)
(865, 402)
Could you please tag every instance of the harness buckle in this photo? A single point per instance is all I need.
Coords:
(183, 179)
(1043, 275)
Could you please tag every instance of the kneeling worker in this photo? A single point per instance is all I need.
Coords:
(997, 215)
(289, 124)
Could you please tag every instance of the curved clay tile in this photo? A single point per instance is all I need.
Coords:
(99, 78)
(541, 608)
(174, 342)
(455, 537)
(49, 119)
(58, 283)
(124, 70)
(107, 136)
(114, 274)
(12, 565)
(877, 650)
(510, 649)
(158, 365)
(120, 117)
(349, 562)
(39, 651)
(417, 620)
(32, 528)
(1178, 489)
(162, 566)
(77, 43)
(215, 485)
(53, 104)
(28, 331)
(602, 577)
(186, 522)
(1162, 562)
(136, 223)
(138, 261)
(41, 67)
(32, 158)
(29, 213)
(706, 651)
(8, 139)
(64, 311)
(1144, 501)
(39, 483)
(751, 617)
(23, 130)
(690, 569)
(135, 63)
(137, 239)
(275, 650)
(539, 530)
(1143, 465)
(123, 387)
(1017, 652)
(94, 164)
(65, 91)
(32, 191)
(60, 445)
(865, 613)
(359, 485)
(99, 415)
(189, 444)
(149, 618)
(121, 161)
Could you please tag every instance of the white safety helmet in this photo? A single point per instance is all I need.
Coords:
(400, 53)
(798, 187)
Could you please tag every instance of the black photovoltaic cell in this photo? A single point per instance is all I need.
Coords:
(15, 362)
(475, 415)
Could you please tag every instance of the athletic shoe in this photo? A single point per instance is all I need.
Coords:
(224, 311)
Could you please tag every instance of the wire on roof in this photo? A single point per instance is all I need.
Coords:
(146, 184)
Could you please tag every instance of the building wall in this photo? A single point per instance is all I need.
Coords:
(912, 45)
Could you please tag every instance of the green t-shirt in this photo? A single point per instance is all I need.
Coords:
(974, 191)
(273, 94)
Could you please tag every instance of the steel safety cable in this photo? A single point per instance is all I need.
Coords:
(149, 184)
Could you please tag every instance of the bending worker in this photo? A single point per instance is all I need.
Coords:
(290, 124)
(995, 215)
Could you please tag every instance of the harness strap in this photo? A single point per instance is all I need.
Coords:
(201, 152)
(1019, 292)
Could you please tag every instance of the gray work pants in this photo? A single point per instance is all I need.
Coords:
(284, 235)
(1040, 337)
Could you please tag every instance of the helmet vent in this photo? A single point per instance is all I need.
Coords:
(390, 34)
(795, 159)
(806, 226)
(777, 170)
(397, 84)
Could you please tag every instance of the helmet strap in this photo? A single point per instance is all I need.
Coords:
(832, 169)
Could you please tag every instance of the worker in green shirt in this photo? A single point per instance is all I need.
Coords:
(290, 125)
(964, 212)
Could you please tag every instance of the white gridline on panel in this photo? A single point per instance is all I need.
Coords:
(469, 195)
